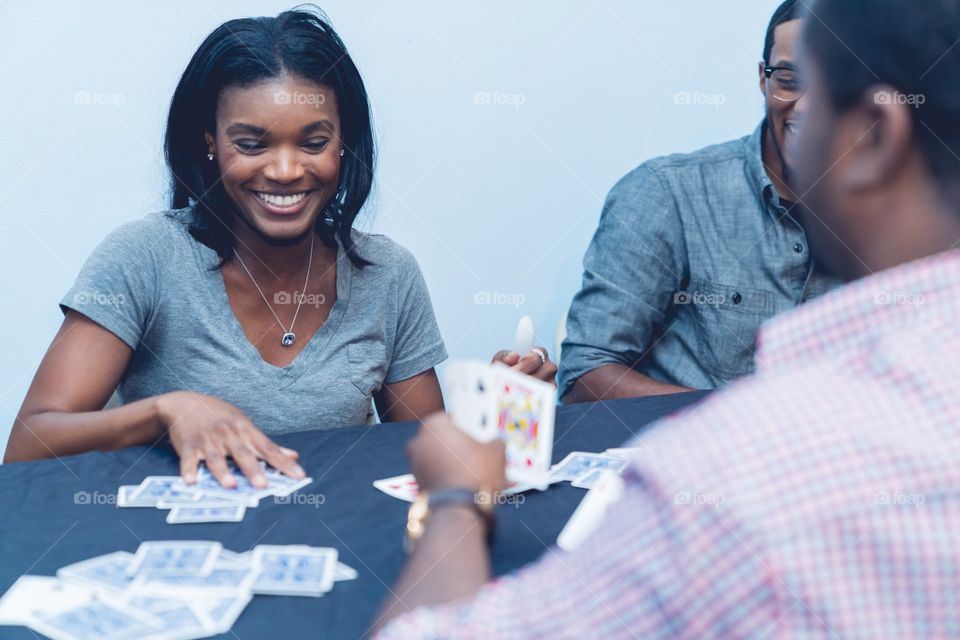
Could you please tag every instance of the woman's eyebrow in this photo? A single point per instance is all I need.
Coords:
(319, 124)
(241, 127)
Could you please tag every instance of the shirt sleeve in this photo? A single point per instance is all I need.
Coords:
(417, 344)
(632, 270)
(117, 285)
(657, 568)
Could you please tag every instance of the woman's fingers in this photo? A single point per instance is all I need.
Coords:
(217, 465)
(277, 456)
(189, 460)
(541, 368)
(248, 464)
(509, 358)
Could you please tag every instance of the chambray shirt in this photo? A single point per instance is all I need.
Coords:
(693, 253)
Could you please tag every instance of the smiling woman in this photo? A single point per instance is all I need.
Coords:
(224, 319)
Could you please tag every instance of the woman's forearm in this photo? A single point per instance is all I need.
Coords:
(46, 434)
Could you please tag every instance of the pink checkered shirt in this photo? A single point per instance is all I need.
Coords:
(819, 498)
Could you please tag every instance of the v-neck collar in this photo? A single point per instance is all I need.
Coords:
(283, 376)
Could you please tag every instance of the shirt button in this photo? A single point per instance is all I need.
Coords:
(737, 298)
(798, 248)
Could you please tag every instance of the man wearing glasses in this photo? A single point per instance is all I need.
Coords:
(694, 252)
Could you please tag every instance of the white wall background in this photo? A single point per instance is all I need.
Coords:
(501, 124)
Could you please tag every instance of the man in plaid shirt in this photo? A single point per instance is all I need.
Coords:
(819, 498)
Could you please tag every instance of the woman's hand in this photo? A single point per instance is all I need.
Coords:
(536, 363)
(205, 428)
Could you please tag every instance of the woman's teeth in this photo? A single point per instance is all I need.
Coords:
(282, 201)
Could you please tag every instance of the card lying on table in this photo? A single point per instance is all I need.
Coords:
(167, 590)
(491, 401)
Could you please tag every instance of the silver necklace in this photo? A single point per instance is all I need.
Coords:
(289, 337)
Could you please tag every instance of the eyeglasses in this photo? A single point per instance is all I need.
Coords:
(786, 83)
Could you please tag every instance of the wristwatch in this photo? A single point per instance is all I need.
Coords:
(426, 503)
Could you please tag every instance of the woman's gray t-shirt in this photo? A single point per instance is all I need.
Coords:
(151, 284)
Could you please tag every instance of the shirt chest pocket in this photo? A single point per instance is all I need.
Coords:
(367, 365)
(729, 318)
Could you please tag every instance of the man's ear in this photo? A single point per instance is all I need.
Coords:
(763, 79)
(877, 136)
(211, 143)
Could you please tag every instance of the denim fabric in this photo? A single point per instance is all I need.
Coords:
(693, 253)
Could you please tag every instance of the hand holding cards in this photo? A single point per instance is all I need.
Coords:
(491, 402)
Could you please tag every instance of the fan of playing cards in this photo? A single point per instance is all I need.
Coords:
(490, 401)
(174, 589)
(206, 500)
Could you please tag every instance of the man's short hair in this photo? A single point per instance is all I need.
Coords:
(909, 45)
(789, 10)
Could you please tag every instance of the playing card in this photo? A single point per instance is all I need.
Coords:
(588, 479)
(579, 462)
(175, 557)
(222, 580)
(589, 513)
(153, 489)
(469, 396)
(343, 573)
(32, 596)
(494, 401)
(222, 611)
(401, 487)
(103, 573)
(294, 570)
(124, 498)
(187, 514)
(524, 409)
(622, 452)
(175, 617)
(97, 620)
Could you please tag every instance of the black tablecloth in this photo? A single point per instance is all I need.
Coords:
(56, 512)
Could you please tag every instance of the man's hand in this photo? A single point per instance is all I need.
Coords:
(443, 457)
(531, 364)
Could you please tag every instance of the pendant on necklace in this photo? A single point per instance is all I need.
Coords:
(288, 339)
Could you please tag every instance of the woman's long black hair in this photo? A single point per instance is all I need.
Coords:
(243, 52)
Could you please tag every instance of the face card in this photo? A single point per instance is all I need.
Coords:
(401, 487)
(178, 557)
(524, 409)
(294, 570)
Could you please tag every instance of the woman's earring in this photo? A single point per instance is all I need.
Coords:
(210, 157)
(341, 153)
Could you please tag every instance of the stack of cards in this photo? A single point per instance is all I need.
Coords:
(173, 589)
(206, 500)
(580, 468)
(583, 469)
(491, 401)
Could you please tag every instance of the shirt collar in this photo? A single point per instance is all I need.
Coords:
(757, 173)
(857, 314)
